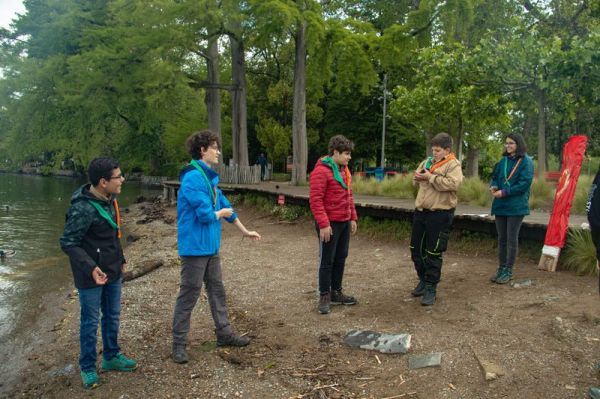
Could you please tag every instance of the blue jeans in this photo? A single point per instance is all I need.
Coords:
(91, 300)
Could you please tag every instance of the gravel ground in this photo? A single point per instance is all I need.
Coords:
(544, 338)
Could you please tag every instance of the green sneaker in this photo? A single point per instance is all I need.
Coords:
(90, 379)
(497, 275)
(119, 362)
(505, 276)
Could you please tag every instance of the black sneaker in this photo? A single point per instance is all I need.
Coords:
(233, 340)
(419, 289)
(179, 354)
(337, 298)
(324, 302)
(428, 298)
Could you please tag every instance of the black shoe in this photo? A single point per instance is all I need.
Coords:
(179, 354)
(428, 297)
(337, 298)
(419, 289)
(233, 340)
(324, 302)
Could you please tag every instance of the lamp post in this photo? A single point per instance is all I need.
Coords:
(383, 128)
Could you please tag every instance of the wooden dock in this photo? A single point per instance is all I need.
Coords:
(466, 217)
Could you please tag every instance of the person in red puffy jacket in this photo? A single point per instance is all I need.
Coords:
(332, 205)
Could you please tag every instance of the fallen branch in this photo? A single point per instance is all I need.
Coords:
(144, 268)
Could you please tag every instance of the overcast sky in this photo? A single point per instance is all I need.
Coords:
(9, 10)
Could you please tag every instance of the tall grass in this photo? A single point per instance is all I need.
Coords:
(473, 191)
(580, 253)
(541, 195)
(398, 186)
(385, 229)
(581, 193)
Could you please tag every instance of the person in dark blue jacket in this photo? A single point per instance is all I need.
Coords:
(593, 214)
(510, 185)
(200, 208)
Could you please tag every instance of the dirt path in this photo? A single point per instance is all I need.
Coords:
(546, 337)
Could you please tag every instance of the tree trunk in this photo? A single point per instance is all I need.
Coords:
(238, 100)
(299, 136)
(459, 139)
(473, 162)
(541, 151)
(212, 99)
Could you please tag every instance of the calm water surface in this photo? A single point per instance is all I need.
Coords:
(32, 214)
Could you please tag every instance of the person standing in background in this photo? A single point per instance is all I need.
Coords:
(510, 186)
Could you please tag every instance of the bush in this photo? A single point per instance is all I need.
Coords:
(580, 253)
(582, 193)
(385, 229)
(398, 186)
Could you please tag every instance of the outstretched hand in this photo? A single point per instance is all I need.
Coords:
(253, 235)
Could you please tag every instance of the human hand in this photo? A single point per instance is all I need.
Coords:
(497, 194)
(253, 235)
(325, 234)
(224, 213)
(99, 276)
(353, 226)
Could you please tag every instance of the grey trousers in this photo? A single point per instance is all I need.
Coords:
(508, 228)
(195, 270)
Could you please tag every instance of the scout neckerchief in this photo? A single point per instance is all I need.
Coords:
(212, 190)
(430, 166)
(105, 215)
(346, 181)
(507, 175)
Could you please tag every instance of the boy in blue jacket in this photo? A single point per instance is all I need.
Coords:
(200, 208)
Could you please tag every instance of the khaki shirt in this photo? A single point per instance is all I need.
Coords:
(439, 192)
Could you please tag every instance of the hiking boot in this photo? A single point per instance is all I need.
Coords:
(419, 289)
(428, 297)
(594, 393)
(505, 276)
(324, 302)
(119, 362)
(179, 354)
(232, 340)
(90, 379)
(337, 298)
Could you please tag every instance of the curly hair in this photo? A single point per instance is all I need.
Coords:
(200, 140)
(340, 144)
(443, 140)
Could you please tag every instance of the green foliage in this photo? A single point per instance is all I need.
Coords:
(582, 192)
(385, 229)
(542, 194)
(580, 253)
(290, 213)
(473, 191)
(398, 186)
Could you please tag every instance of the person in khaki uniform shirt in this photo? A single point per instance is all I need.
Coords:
(438, 178)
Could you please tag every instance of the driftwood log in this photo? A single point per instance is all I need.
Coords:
(143, 268)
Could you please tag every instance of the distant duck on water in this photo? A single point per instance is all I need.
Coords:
(7, 253)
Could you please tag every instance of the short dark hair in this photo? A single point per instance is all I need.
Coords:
(101, 168)
(340, 143)
(443, 140)
(199, 140)
(521, 146)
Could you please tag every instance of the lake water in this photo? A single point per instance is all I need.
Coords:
(35, 281)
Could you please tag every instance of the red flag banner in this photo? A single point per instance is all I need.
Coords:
(558, 225)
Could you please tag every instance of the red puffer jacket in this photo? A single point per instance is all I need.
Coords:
(329, 201)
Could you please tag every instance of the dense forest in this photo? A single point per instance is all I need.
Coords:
(133, 78)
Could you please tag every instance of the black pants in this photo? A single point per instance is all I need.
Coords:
(429, 239)
(508, 228)
(332, 257)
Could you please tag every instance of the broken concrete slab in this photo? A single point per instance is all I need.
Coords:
(491, 371)
(521, 283)
(381, 342)
(427, 360)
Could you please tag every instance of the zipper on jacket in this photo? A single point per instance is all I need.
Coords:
(98, 257)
